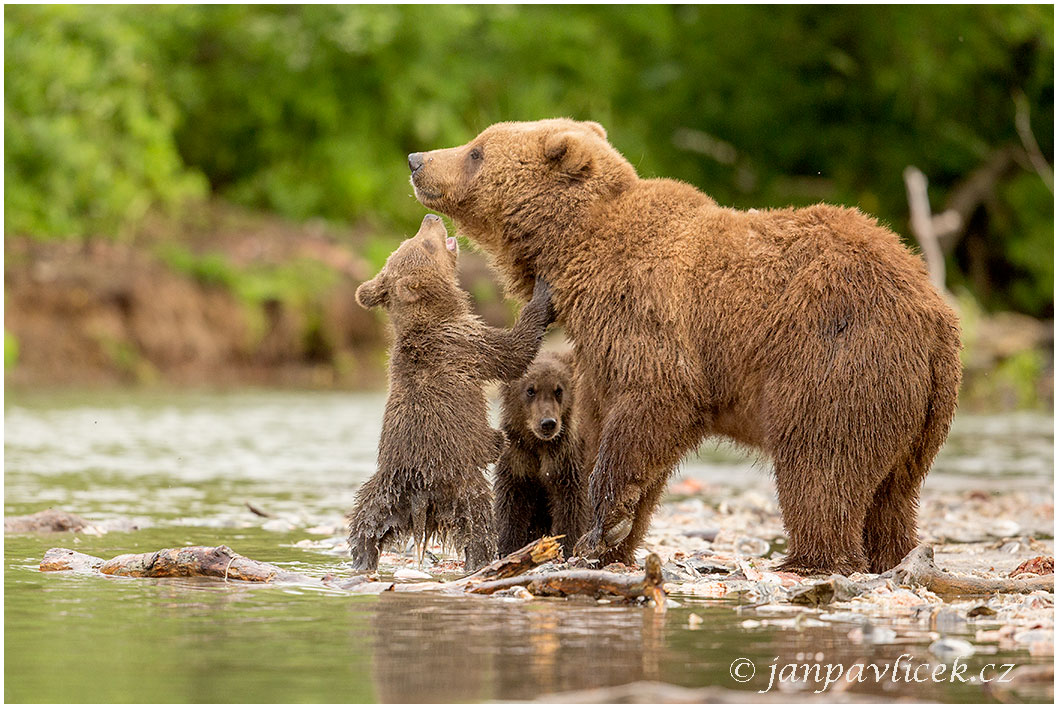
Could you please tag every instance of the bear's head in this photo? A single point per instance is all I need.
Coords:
(541, 402)
(419, 279)
(516, 185)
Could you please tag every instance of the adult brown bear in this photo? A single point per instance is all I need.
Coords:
(811, 334)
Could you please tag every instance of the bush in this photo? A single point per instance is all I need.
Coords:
(88, 125)
(308, 111)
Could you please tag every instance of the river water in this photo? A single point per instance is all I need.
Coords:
(181, 467)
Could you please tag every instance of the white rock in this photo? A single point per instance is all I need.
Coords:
(947, 649)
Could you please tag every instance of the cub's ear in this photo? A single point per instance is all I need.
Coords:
(407, 290)
(568, 152)
(371, 293)
(597, 127)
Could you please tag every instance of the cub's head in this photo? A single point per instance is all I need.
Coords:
(541, 402)
(512, 184)
(419, 278)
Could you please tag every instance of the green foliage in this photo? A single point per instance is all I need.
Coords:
(293, 282)
(88, 125)
(309, 111)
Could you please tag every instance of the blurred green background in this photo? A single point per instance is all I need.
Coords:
(259, 152)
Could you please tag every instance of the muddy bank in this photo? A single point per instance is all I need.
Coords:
(222, 298)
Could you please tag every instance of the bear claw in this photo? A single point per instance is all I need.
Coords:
(616, 533)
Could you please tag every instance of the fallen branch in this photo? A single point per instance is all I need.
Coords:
(518, 562)
(919, 569)
(587, 582)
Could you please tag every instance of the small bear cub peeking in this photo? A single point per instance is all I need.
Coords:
(436, 439)
(539, 482)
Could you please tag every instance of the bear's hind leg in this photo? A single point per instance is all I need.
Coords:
(475, 524)
(376, 520)
(890, 529)
(823, 516)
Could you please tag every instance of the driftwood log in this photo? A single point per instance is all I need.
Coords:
(215, 562)
(919, 569)
(587, 582)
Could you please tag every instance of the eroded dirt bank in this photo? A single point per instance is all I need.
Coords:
(224, 299)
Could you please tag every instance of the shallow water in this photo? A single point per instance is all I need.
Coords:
(183, 466)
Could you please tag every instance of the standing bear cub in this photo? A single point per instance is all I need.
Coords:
(436, 439)
(539, 483)
(813, 335)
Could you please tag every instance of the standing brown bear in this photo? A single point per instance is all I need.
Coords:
(811, 334)
(539, 481)
(436, 439)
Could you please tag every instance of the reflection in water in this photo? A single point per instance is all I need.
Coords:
(444, 651)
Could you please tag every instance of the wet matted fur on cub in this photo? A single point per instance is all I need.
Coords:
(540, 481)
(436, 440)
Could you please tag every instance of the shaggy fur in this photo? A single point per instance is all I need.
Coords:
(436, 440)
(811, 334)
(539, 482)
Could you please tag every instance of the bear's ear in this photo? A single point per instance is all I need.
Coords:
(567, 151)
(407, 290)
(597, 127)
(371, 293)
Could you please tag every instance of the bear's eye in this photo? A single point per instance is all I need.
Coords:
(476, 154)
(530, 392)
(558, 394)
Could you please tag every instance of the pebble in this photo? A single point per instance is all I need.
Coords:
(947, 649)
(517, 592)
(410, 574)
(277, 525)
(751, 546)
(868, 634)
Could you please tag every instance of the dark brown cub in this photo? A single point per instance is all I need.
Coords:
(539, 485)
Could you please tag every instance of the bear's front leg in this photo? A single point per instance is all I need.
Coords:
(643, 437)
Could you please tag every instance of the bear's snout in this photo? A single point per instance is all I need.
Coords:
(415, 161)
(547, 427)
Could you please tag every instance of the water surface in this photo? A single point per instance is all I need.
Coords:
(183, 466)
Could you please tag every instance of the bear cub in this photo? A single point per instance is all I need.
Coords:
(436, 439)
(539, 482)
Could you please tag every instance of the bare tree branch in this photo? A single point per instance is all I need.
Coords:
(922, 225)
(1024, 126)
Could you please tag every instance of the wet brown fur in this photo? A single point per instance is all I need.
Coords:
(436, 440)
(811, 334)
(540, 486)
